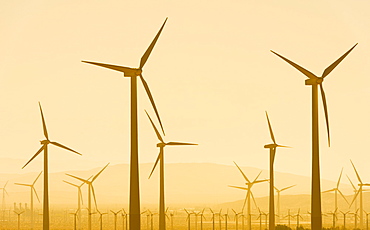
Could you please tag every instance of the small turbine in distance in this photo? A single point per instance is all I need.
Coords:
(161, 145)
(272, 148)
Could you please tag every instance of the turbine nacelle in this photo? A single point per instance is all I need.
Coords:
(45, 142)
(134, 72)
(161, 145)
(270, 146)
(313, 81)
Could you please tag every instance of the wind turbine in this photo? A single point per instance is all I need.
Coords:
(278, 191)
(315, 81)
(74, 219)
(101, 218)
(272, 148)
(360, 190)
(344, 218)
(188, 217)
(44, 148)
(90, 190)
(289, 216)
(19, 218)
(115, 218)
(161, 145)
(334, 216)
(336, 190)
(298, 216)
(249, 194)
(33, 190)
(236, 214)
(133, 73)
(124, 219)
(3, 201)
(79, 199)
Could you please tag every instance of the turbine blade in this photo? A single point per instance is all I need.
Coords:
(146, 86)
(283, 146)
(259, 181)
(298, 67)
(70, 183)
(257, 177)
(155, 128)
(156, 162)
(358, 176)
(270, 128)
(78, 178)
(145, 57)
(93, 192)
(343, 196)
(353, 186)
(96, 176)
(339, 178)
(34, 182)
(332, 66)
(80, 195)
(238, 187)
(179, 143)
(287, 187)
(43, 123)
(354, 198)
(113, 67)
(245, 177)
(37, 153)
(254, 201)
(23, 184)
(37, 196)
(5, 184)
(325, 111)
(64, 147)
(330, 190)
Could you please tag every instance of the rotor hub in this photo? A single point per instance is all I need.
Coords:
(45, 142)
(161, 145)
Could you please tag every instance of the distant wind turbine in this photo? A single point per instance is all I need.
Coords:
(101, 218)
(336, 190)
(133, 73)
(161, 145)
(344, 218)
(278, 191)
(272, 147)
(19, 218)
(33, 190)
(79, 200)
(115, 218)
(90, 190)
(249, 194)
(44, 148)
(315, 81)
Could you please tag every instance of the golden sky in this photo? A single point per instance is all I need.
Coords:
(211, 74)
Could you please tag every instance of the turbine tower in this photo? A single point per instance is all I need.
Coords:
(272, 148)
(44, 147)
(133, 73)
(315, 81)
(90, 190)
(249, 195)
(161, 145)
(33, 190)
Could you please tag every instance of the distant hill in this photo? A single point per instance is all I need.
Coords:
(186, 184)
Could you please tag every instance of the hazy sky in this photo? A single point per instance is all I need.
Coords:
(211, 73)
